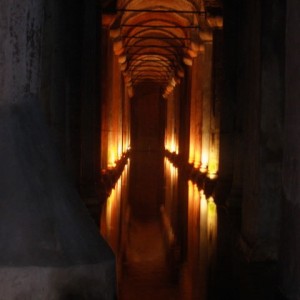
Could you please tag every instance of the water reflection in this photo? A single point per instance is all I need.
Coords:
(113, 214)
(162, 230)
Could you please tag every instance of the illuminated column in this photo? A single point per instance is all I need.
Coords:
(168, 129)
(107, 58)
(196, 112)
(115, 135)
(192, 125)
(115, 117)
(119, 115)
(206, 104)
(176, 117)
(217, 89)
(126, 122)
(172, 141)
(184, 109)
(170, 133)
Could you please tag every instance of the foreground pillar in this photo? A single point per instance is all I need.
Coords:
(50, 248)
(262, 92)
(290, 238)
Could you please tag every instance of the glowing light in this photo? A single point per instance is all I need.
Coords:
(191, 190)
(212, 208)
(171, 176)
(112, 157)
(211, 175)
(191, 151)
(204, 161)
(203, 211)
(213, 164)
(212, 223)
(167, 225)
(110, 215)
(120, 149)
(197, 161)
(109, 207)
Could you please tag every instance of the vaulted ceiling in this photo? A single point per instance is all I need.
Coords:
(154, 39)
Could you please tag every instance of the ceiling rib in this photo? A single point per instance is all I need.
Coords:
(159, 26)
(156, 39)
(163, 11)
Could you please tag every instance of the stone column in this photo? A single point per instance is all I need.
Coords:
(60, 90)
(107, 56)
(196, 112)
(263, 98)
(206, 103)
(90, 108)
(54, 76)
(169, 137)
(50, 248)
(228, 116)
(184, 117)
(290, 224)
(126, 122)
(114, 107)
(217, 97)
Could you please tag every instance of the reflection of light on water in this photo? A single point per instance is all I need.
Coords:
(212, 222)
(111, 211)
(112, 157)
(202, 233)
(193, 223)
(170, 205)
(109, 206)
(203, 219)
(204, 161)
(167, 227)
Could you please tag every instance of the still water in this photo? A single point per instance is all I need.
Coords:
(162, 229)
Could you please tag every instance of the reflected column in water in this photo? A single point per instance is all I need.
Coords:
(112, 223)
(185, 242)
(202, 230)
(212, 224)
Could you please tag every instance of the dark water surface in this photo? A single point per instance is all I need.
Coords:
(162, 230)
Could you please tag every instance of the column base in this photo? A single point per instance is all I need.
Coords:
(95, 281)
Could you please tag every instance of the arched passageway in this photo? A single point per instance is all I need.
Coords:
(196, 101)
(166, 94)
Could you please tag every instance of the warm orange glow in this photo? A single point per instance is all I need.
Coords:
(170, 204)
(171, 138)
(213, 164)
(193, 225)
(167, 226)
(190, 191)
(204, 161)
(110, 218)
(212, 224)
(109, 207)
(197, 155)
(191, 150)
(173, 145)
(171, 177)
(193, 205)
(211, 215)
(112, 157)
(120, 149)
(203, 218)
